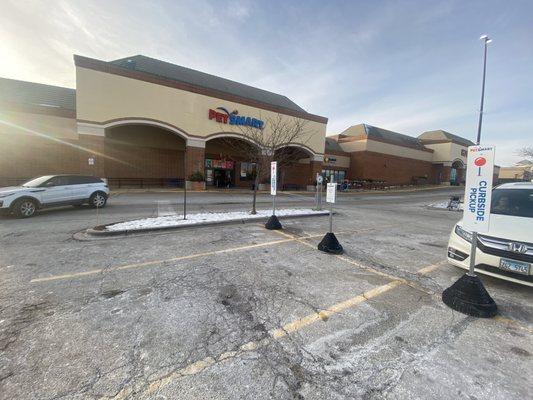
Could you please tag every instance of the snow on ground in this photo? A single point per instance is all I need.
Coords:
(192, 219)
(444, 205)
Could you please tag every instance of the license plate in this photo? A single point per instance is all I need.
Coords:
(515, 266)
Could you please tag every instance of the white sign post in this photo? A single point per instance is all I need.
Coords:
(331, 194)
(478, 193)
(273, 184)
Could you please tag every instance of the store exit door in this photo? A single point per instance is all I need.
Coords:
(223, 178)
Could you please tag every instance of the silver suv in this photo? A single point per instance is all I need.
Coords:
(52, 191)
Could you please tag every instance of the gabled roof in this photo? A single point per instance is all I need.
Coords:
(333, 145)
(441, 135)
(383, 135)
(37, 94)
(190, 76)
(524, 162)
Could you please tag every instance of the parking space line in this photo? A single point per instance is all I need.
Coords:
(156, 262)
(274, 334)
(348, 260)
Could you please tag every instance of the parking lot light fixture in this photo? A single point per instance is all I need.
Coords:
(468, 294)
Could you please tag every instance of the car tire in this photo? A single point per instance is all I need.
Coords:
(25, 208)
(98, 200)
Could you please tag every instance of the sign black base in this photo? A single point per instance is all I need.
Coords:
(330, 244)
(469, 296)
(273, 223)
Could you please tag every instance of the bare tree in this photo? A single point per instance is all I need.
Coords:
(267, 143)
(526, 152)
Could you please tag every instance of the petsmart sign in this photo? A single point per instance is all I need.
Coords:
(478, 188)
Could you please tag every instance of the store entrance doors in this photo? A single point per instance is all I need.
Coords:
(223, 178)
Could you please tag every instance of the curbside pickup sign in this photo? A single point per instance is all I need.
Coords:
(478, 188)
(273, 177)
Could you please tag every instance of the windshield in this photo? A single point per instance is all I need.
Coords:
(514, 202)
(37, 181)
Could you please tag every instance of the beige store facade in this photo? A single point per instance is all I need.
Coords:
(114, 103)
(144, 121)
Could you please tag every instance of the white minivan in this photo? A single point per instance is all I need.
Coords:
(52, 191)
(506, 250)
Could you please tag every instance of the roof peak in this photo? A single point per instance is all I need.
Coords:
(170, 70)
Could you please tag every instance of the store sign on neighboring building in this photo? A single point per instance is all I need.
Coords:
(225, 117)
(330, 160)
(478, 188)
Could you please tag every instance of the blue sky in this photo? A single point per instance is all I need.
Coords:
(408, 66)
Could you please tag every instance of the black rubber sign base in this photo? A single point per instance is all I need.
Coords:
(273, 223)
(469, 296)
(330, 244)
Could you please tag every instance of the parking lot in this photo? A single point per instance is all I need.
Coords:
(239, 312)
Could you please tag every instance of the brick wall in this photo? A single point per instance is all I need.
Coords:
(195, 161)
(128, 161)
(25, 156)
(392, 169)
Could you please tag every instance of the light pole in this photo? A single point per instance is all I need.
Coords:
(468, 295)
(486, 41)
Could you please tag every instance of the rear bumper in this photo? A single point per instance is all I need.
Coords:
(486, 264)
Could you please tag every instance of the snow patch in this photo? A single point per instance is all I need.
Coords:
(193, 219)
(444, 205)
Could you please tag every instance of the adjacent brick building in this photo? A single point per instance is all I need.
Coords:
(379, 155)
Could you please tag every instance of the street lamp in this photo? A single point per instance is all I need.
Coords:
(486, 41)
(468, 295)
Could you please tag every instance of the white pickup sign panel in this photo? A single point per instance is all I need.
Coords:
(331, 192)
(273, 177)
(478, 188)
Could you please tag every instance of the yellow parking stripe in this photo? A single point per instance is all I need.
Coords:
(275, 334)
(155, 262)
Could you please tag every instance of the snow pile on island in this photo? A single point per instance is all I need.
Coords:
(195, 219)
(444, 205)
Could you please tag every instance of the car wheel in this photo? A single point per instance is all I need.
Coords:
(25, 208)
(98, 200)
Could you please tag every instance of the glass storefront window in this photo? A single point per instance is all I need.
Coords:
(338, 176)
(247, 172)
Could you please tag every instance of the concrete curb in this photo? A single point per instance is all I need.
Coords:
(126, 232)
(118, 192)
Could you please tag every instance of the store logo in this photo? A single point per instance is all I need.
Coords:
(517, 247)
(233, 118)
(479, 162)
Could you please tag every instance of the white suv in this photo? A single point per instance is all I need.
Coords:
(506, 251)
(52, 191)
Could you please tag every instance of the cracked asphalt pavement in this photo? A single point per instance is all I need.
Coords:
(239, 312)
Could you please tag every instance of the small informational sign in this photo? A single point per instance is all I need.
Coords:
(273, 177)
(331, 192)
(90, 160)
(478, 188)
